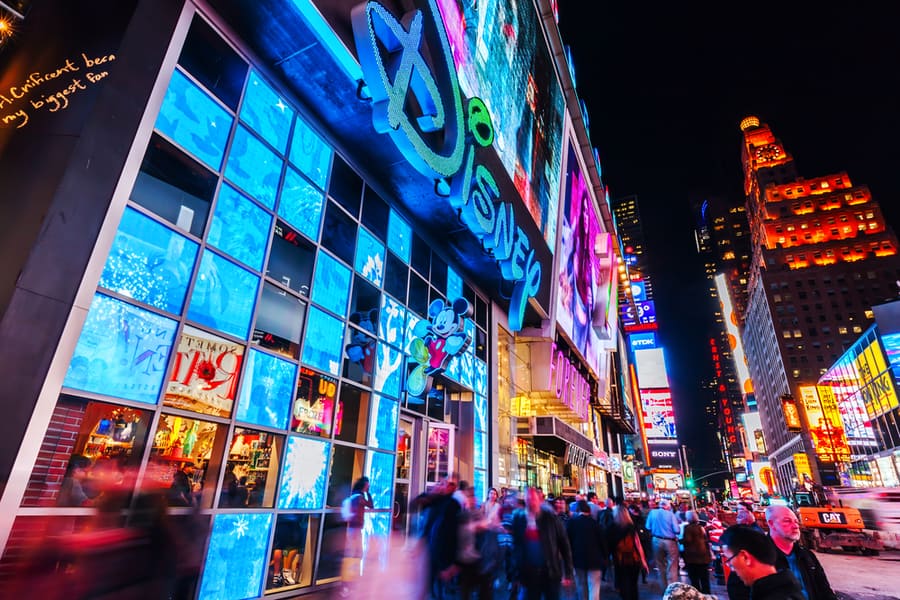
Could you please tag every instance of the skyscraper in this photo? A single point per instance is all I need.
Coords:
(631, 233)
(822, 256)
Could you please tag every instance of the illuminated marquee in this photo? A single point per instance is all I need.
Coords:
(567, 382)
(434, 140)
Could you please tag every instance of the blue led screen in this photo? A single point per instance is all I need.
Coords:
(267, 390)
(388, 370)
(480, 485)
(122, 351)
(392, 320)
(480, 377)
(266, 112)
(331, 285)
(240, 228)
(383, 425)
(380, 471)
(411, 320)
(399, 236)
(480, 439)
(467, 370)
(481, 413)
(310, 154)
(149, 262)
(223, 296)
(301, 204)
(454, 284)
(370, 257)
(236, 558)
(324, 342)
(303, 474)
(194, 120)
(253, 167)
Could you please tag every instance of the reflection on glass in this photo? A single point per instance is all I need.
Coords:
(438, 456)
(380, 471)
(331, 287)
(383, 426)
(149, 262)
(352, 415)
(323, 345)
(359, 349)
(182, 449)
(194, 120)
(411, 321)
(301, 204)
(251, 473)
(303, 479)
(266, 112)
(204, 374)
(240, 228)
(253, 167)
(267, 390)
(314, 407)
(311, 155)
(122, 351)
(236, 559)
(223, 295)
(399, 236)
(291, 259)
(279, 321)
(293, 552)
(480, 439)
(346, 467)
(370, 257)
(331, 556)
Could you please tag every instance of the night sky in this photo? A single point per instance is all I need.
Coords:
(666, 89)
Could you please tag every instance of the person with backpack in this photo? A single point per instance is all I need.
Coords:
(628, 554)
(696, 553)
(353, 512)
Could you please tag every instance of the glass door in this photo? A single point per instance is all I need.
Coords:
(404, 475)
(439, 453)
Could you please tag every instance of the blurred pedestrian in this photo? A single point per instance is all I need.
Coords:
(589, 551)
(440, 532)
(71, 491)
(543, 557)
(664, 527)
(696, 553)
(628, 555)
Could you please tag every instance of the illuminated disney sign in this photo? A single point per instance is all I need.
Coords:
(419, 104)
(438, 341)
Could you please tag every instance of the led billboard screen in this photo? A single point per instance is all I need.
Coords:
(734, 335)
(664, 455)
(659, 414)
(754, 431)
(642, 341)
(825, 425)
(651, 368)
(641, 313)
(501, 56)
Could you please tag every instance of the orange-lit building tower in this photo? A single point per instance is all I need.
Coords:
(822, 256)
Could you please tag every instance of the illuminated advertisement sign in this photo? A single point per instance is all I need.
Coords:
(662, 455)
(501, 57)
(891, 345)
(667, 482)
(734, 335)
(659, 414)
(876, 381)
(587, 284)
(417, 102)
(764, 476)
(437, 341)
(642, 341)
(801, 465)
(651, 368)
(639, 290)
(825, 426)
(791, 414)
(753, 427)
(852, 410)
(569, 385)
(641, 313)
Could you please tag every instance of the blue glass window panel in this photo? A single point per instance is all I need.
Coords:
(223, 296)
(253, 167)
(467, 370)
(267, 391)
(399, 236)
(411, 320)
(454, 285)
(311, 155)
(331, 285)
(480, 377)
(480, 485)
(388, 370)
(194, 120)
(480, 447)
(380, 471)
(149, 262)
(240, 228)
(481, 417)
(453, 368)
(122, 351)
(324, 342)
(470, 331)
(303, 475)
(301, 204)
(266, 112)
(393, 317)
(236, 558)
(370, 257)
(383, 425)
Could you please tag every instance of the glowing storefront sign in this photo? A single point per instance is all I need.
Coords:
(825, 426)
(420, 106)
(642, 341)
(569, 385)
(876, 381)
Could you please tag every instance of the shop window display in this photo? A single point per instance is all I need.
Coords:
(352, 415)
(253, 167)
(240, 228)
(303, 476)
(194, 121)
(396, 277)
(122, 351)
(293, 551)
(251, 470)
(204, 374)
(149, 262)
(223, 295)
(347, 465)
(310, 153)
(279, 321)
(291, 259)
(323, 345)
(266, 112)
(174, 186)
(313, 411)
(91, 451)
(301, 204)
(236, 559)
(266, 393)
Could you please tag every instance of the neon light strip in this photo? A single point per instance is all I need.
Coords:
(329, 38)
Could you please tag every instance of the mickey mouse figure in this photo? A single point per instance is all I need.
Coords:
(437, 342)
(361, 349)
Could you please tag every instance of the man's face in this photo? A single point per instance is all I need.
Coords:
(450, 485)
(784, 525)
(736, 563)
(744, 516)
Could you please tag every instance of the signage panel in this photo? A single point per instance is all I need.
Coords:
(651, 368)
(801, 465)
(663, 456)
(876, 381)
(659, 415)
(638, 291)
(641, 313)
(825, 427)
(734, 335)
(642, 341)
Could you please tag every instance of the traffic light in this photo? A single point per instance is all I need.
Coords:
(690, 483)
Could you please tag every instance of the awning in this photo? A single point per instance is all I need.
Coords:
(554, 435)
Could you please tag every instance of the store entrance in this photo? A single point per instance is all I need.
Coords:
(405, 475)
